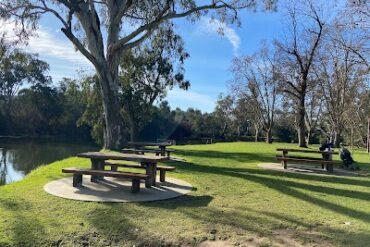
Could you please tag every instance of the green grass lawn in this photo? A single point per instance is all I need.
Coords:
(233, 201)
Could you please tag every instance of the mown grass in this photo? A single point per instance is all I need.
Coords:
(233, 200)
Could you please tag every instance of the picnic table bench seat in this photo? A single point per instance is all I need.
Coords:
(325, 160)
(79, 172)
(298, 157)
(327, 163)
(162, 169)
(157, 151)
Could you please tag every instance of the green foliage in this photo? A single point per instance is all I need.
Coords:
(147, 72)
(92, 115)
(16, 69)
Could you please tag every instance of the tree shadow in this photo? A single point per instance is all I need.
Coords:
(266, 224)
(252, 158)
(235, 156)
(185, 201)
(278, 181)
(26, 228)
(121, 225)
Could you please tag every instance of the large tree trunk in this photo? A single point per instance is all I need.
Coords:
(133, 124)
(308, 136)
(269, 136)
(106, 65)
(301, 122)
(338, 138)
(257, 131)
(133, 133)
(113, 131)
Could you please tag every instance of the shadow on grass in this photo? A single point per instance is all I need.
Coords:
(278, 181)
(232, 156)
(26, 228)
(185, 201)
(263, 224)
(255, 157)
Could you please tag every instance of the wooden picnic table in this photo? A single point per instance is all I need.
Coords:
(326, 160)
(148, 161)
(162, 145)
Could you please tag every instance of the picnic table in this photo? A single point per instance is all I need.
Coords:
(326, 160)
(161, 145)
(148, 161)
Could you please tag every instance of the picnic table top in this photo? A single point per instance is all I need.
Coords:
(123, 156)
(159, 144)
(306, 151)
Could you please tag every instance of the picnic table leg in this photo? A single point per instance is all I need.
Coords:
(284, 162)
(163, 150)
(324, 157)
(97, 165)
(151, 171)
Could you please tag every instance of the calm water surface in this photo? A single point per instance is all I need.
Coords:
(19, 157)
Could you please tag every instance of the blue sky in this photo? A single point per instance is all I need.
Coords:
(208, 67)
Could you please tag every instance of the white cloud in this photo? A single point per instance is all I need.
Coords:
(214, 26)
(47, 44)
(185, 99)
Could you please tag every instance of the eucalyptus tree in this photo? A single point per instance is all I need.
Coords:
(102, 30)
(255, 79)
(224, 112)
(147, 72)
(297, 53)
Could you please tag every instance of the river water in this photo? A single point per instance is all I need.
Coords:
(19, 157)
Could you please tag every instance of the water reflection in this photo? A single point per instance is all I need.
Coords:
(17, 158)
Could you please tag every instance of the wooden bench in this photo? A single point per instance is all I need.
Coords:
(279, 157)
(325, 161)
(146, 150)
(78, 172)
(162, 169)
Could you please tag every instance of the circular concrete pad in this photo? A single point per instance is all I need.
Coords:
(307, 169)
(117, 190)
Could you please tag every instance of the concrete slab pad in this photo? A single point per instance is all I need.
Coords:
(307, 169)
(117, 190)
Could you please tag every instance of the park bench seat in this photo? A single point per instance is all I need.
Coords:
(299, 157)
(327, 163)
(162, 169)
(157, 151)
(78, 172)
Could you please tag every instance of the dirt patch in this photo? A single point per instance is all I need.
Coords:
(218, 243)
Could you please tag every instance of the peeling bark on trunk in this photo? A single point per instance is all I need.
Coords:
(113, 131)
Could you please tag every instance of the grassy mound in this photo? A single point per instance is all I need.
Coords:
(233, 202)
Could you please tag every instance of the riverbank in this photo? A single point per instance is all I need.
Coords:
(234, 202)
